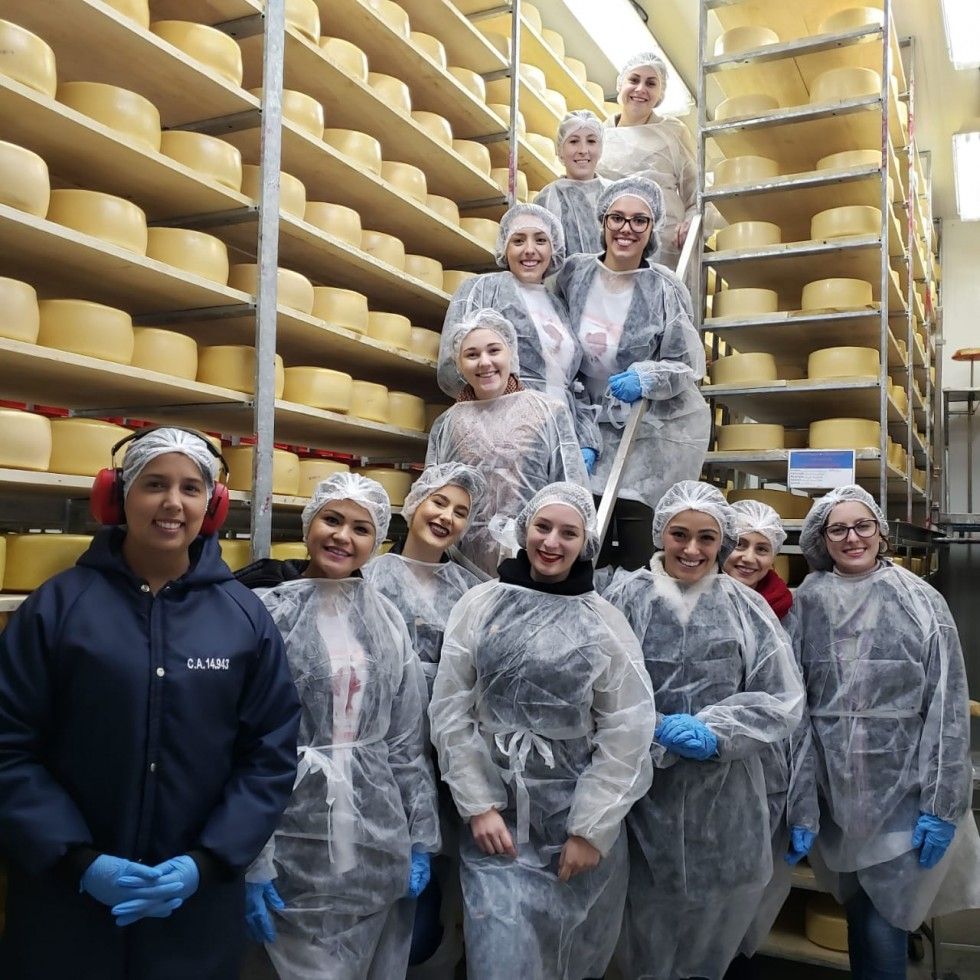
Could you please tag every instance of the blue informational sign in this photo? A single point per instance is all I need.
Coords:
(820, 469)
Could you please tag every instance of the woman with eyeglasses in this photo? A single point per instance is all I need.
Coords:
(634, 323)
(887, 694)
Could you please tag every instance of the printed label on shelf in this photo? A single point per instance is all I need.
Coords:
(820, 469)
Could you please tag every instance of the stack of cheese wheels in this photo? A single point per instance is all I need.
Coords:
(27, 59)
(452, 279)
(845, 433)
(289, 551)
(349, 58)
(744, 302)
(843, 362)
(432, 411)
(129, 114)
(214, 49)
(425, 343)
(744, 369)
(206, 155)
(444, 207)
(825, 923)
(25, 440)
(484, 230)
(745, 38)
(789, 506)
(83, 327)
(319, 387)
(856, 219)
(165, 351)
(836, 294)
(406, 411)
(24, 181)
(314, 471)
(392, 91)
(21, 319)
(391, 329)
(233, 366)
(293, 290)
(34, 558)
(341, 308)
(285, 469)
(397, 483)
(476, 154)
(83, 446)
(104, 216)
(842, 84)
(336, 220)
(743, 106)
(435, 126)
(236, 552)
(749, 234)
(369, 401)
(409, 181)
(424, 268)
(192, 251)
(744, 170)
(292, 191)
(750, 436)
(384, 247)
(363, 150)
(471, 81)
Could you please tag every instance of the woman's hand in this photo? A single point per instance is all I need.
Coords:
(491, 834)
(577, 855)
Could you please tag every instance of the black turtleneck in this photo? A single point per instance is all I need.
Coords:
(517, 571)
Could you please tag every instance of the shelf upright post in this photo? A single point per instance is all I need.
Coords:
(911, 210)
(264, 405)
(885, 268)
(515, 100)
(700, 278)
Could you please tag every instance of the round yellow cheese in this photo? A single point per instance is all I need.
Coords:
(452, 279)
(292, 290)
(369, 401)
(27, 59)
(856, 219)
(431, 46)
(851, 19)
(406, 411)
(314, 471)
(233, 366)
(390, 328)
(82, 327)
(302, 110)
(83, 446)
(436, 126)
(897, 456)
(214, 49)
(364, 150)
(503, 111)
(744, 170)
(841, 84)
(756, 368)
(408, 180)
(745, 302)
(137, 10)
(25, 440)
(484, 230)
(744, 39)
(533, 16)
(557, 102)
(750, 104)
(432, 411)
(444, 207)
(844, 434)
(500, 42)
(289, 550)
(192, 251)
(424, 268)
(836, 294)
(304, 16)
(393, 92)
(825, 923)
(789, 506)
(577, 68)
(396, 483)
(292, 191)
(471, 81)
(544, 145)
(235, 552)
(596, 91)
(534, 77)
(749, 234)
(394, 16)
(850, 159)
(34, 558)
(748, 436)
(501, 177)
(285, 469)
(900, 397)
(555, 41)
(206, 155)
(336, 220)
(20, 320)
(24, 182)
(111, 219)
(476, 154)
(385, 248)
(843, 362)
(165, 351)
(341, 307)
(319, 387)
(128, 113)
(349, 58)
(425, 343)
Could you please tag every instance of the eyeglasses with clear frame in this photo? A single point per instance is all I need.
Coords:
(839, 532)
(637, 222)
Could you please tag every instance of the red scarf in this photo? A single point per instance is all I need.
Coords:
(773, 589)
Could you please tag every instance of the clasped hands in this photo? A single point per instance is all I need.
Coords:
(136, 891)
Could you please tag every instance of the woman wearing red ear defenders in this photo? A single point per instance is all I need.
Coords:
(147, 737)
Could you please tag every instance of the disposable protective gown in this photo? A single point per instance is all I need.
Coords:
(144, 727)
(364, 793)
(887, 694)
(542, 710)
(573, 203)
(641, 320)
(520, 443)
(700, 841)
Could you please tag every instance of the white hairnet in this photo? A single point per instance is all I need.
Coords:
(577, 120)
(531, 217)
(439, 475)
(645, 59)
(703, 497)
(351, 486)
(571, 495)
(643, 189)
(753, 516)
(166, 440)
(454, 335)
(812, 542)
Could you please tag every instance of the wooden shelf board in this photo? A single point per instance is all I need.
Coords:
(42, 482)
(301, 425)
(204, 11)
(93, 42)
(465, 46)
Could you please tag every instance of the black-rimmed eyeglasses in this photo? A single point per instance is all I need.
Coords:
(637, 222)
(839, 532)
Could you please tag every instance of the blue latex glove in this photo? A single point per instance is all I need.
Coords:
(103, 880)
(127, 913)
(179, 878)
(418, 877)
(933, 836)
(260, 896)
(626, 386)
(590, 456)
(686, 736)
(801, 840)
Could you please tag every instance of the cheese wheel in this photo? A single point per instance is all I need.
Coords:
(471, 81)
(34, 558)
(235, 552)
(484, 230)
(452, 279)
(292, 290)
(825, 923)
(836, 294)
(82, 327)
(425, 343)
(341, 307)
(233, 366)
(544, 145)
(744, 170)
(137, 10)
(845, 433)
(392, 329)
(424, 268)
(27, 59)
(408, 180)
(206, 155)
(436, 126)
(857, 219)
(165, 351)
(897, 456)
(336, 220)
(501, 177)
(476, 154)
(749, 234)
(843, 362)
(126, 112)
(430, 46)
(349, 58)
(193, 251)
(533, 16)
(745, 38)
(111, 219)
(851, 19)
(396, 483)
(24, 182)
(292, 191)
(577, 68)
(314, 471)
(749, 436)
(557, 102)
(789, 506)
(743, 106)
(83, 446)
(20, 320)
(744, 369)
(555, 41)
(303, 16)
(285, 469)
(394, 17)
(369, 401)
(318, 387)
(25, 440)
(503, 110)
(745, 302)
(596, 91)
(385, 248)
(900, 397)
(841, 84)
(289, 550)
(364, 150)
(214, 49)
(393, 92)
(432, 411)
(302, 110)
(849, 159)
(444, 207)
(406, 411)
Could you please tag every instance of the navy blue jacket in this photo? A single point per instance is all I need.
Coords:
(145, 727)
